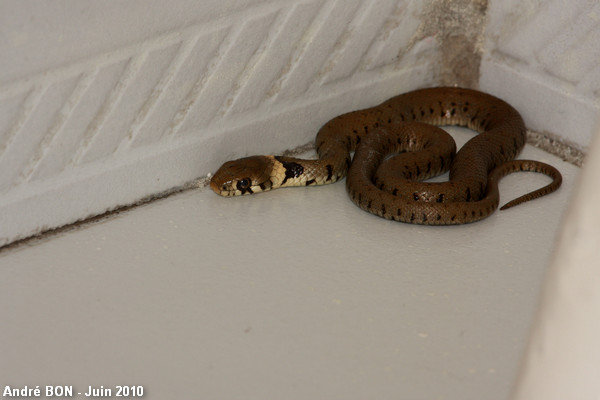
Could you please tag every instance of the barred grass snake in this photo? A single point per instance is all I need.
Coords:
(397, 146)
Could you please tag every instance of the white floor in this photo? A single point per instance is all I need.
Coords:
(291, 294)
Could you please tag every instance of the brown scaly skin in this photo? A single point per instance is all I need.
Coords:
(390, 187)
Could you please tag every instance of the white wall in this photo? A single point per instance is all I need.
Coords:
(105, 103)
(542, 57)
(563, 357)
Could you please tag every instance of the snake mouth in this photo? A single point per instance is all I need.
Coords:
(218, 189)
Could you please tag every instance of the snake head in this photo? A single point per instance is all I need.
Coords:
(243, 176)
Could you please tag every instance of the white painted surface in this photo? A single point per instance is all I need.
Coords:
(542, 57)
(292, 294)
(102, 104)
(563, 358)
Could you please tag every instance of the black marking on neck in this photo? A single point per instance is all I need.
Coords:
(310, 182)
(329, 172)
(263, 186)
(292, 169)
(247, 190)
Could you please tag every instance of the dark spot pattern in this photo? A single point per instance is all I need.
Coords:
(329, 171)
(498, 146)
(292, 169)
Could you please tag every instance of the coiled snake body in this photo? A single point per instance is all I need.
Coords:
(389, 186)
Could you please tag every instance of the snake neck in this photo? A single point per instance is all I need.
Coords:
(329, 168)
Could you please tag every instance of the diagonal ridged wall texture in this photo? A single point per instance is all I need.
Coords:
(543, 58)
(101, 106)
(96, 130)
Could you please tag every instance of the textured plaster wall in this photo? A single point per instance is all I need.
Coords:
(106, 103)
(102, 104)
(458, 26)
(542, 56)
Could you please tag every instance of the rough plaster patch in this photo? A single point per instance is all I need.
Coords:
(458, 26)
(558, 146)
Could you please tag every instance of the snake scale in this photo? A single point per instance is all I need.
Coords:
(396, 146)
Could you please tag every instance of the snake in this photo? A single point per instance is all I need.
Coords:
(397, 146)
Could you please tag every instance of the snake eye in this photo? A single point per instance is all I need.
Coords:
(243, 183)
